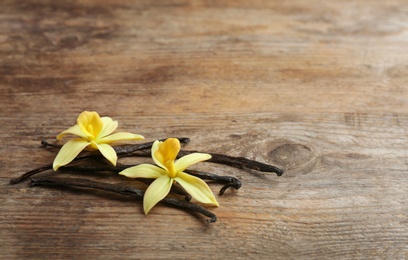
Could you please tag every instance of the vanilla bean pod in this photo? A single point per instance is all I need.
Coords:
(176, 189)
(237, 162)
(39, 170)
(121, 150)
(229, 181)
(102, 167)
(124, 190)
(140, 150)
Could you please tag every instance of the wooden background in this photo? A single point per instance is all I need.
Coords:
(319, 88)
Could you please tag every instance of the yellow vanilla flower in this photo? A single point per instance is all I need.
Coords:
(95, 133)
(169, 171)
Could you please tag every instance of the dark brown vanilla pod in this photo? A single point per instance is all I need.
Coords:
(119, 189)
(236, 162)
(121, 150)
(229, 181)
(141, 150)
(128, 149)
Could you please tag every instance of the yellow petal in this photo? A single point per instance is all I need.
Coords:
(169, 149)
(108, 126)
(120, 137)
(197, 188)
(143, 171)
(108, 152)
(157, 191)
(190, 159)
(68, 152)
(167, 152)
(90, 123)
(75, 130)
(156, 160)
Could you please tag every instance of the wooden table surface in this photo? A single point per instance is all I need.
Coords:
(318, 88)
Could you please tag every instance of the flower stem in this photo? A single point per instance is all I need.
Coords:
(123, 190)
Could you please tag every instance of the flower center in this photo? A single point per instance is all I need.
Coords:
(90, 130)
(171, 168)
(90, 124)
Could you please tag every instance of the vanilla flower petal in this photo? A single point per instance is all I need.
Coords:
(197, 188)
(165, 153)
(68, 152)
(108, 126)
(190, 159)
(74, 130)
(157, 191)
(155, 147)
(168, 150)
(144, 171)
(122, 136)
(108, 152)
(90, 124)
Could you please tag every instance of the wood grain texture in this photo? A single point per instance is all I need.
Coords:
(318, 88)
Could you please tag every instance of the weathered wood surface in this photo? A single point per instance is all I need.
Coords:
(316, 87)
